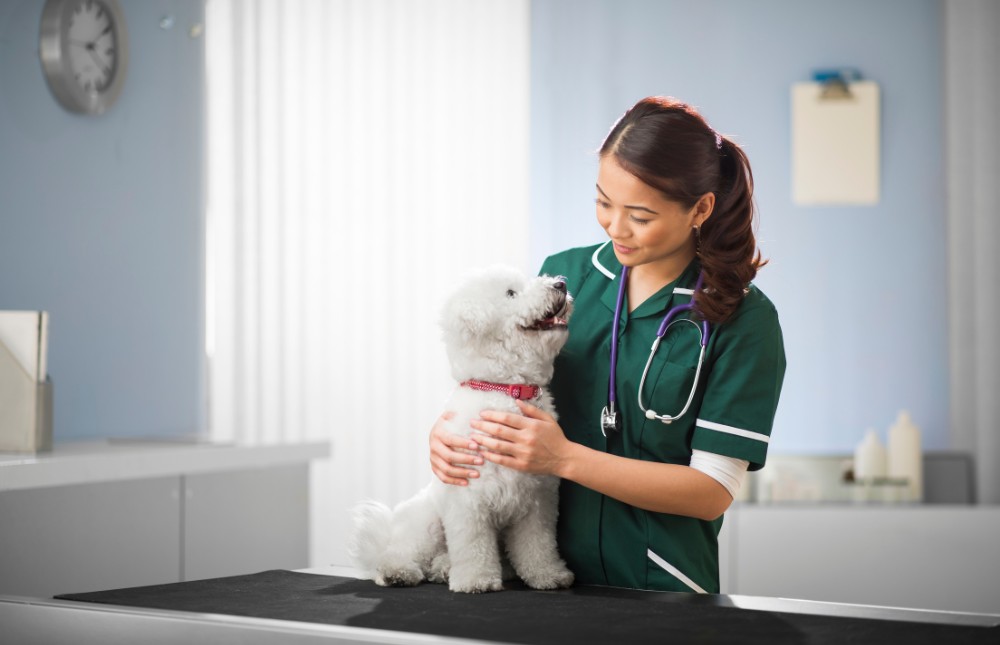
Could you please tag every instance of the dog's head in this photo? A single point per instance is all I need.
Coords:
(505, 327)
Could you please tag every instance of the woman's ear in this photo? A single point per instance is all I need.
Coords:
(703, 209)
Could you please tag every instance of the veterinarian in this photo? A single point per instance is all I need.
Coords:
(651, 456)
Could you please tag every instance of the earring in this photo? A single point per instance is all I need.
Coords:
(697, 240)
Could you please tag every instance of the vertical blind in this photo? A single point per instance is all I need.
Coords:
(972, 91)
(362, 156)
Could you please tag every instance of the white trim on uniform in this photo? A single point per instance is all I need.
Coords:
(684, 292)
(674, 571)
(597, 263)
(739, 432)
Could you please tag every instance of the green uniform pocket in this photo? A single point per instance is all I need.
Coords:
(667, 394)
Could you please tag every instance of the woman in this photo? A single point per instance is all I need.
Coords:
(641, 505)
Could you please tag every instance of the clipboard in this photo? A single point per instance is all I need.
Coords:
(835, 143)
(25, 389)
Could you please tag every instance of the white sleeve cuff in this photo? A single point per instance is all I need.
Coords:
(727, 471)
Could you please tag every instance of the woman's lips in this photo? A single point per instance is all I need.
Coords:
(623, 249)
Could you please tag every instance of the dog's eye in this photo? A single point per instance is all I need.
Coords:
(511, 293)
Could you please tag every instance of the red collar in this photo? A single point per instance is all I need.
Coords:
(515, 390)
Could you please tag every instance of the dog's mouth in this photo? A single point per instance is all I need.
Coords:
(555, 318)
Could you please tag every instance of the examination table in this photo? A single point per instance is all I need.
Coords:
(313, 606)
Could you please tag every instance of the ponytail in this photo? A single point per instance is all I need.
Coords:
(727, 244)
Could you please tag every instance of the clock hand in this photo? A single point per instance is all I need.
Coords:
(101, 64)
(92, 44)
(97, 59)
(106, 32)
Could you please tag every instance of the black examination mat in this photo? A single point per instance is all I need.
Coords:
(520, 615)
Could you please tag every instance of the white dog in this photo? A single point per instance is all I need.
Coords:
(502, 332)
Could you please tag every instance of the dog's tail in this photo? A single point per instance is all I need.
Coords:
(372, 527)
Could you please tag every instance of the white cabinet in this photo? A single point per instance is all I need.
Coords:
(921, 556)
(90, 536)
(84, 520)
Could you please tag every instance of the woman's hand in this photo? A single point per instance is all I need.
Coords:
(531, 442)
(449, 464)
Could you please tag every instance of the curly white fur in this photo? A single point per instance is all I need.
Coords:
(454, 534)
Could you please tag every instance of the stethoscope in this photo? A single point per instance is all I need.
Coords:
(611, 418)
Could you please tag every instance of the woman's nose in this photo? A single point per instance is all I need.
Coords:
(616, 226)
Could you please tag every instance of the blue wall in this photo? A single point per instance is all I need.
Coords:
(860, 290)
(101, 218)
(101, 225)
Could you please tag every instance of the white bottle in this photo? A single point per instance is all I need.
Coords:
(905, 457)
(869, 458)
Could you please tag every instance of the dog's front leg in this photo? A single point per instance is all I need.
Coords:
(531, 543)
(473, 551)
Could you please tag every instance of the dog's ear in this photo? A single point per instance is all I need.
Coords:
(478, 305)
(469, 321)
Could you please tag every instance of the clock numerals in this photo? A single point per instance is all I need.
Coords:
(84, 51)
(92, 42)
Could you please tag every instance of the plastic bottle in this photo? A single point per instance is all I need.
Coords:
(905, 457)
(869, 458)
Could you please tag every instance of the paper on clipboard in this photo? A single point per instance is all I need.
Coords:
(835, 145)
(20, 333)
(25, 390)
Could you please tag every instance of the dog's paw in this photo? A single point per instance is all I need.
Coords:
(474, 585)
(554, 578)
(440, 568)
(405, 576)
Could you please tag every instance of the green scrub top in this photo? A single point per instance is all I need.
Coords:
(607, 542)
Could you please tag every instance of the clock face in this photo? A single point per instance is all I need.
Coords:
(83, 46)
(92, 42)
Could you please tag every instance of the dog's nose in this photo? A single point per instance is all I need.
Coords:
(560, 284)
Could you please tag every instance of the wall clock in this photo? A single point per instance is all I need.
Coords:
(83, 45)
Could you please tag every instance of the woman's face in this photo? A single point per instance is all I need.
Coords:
(646, 228)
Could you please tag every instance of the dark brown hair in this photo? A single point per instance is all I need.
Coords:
(666, 144)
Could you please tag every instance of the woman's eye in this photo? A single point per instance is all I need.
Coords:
(511, 293)
(600, 202)
(638, 220)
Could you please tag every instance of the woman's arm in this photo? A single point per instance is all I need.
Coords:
(534, 442)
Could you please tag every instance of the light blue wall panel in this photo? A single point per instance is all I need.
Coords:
(860, 290)
(101, 225)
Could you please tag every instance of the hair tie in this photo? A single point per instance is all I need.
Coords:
(718, 141)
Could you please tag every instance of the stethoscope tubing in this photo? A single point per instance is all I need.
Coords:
(614, 336)
(645, 372)
(665, 324)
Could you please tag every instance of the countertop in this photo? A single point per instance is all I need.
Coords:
(116, 460)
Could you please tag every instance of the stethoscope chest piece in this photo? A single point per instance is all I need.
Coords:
(611, 420)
